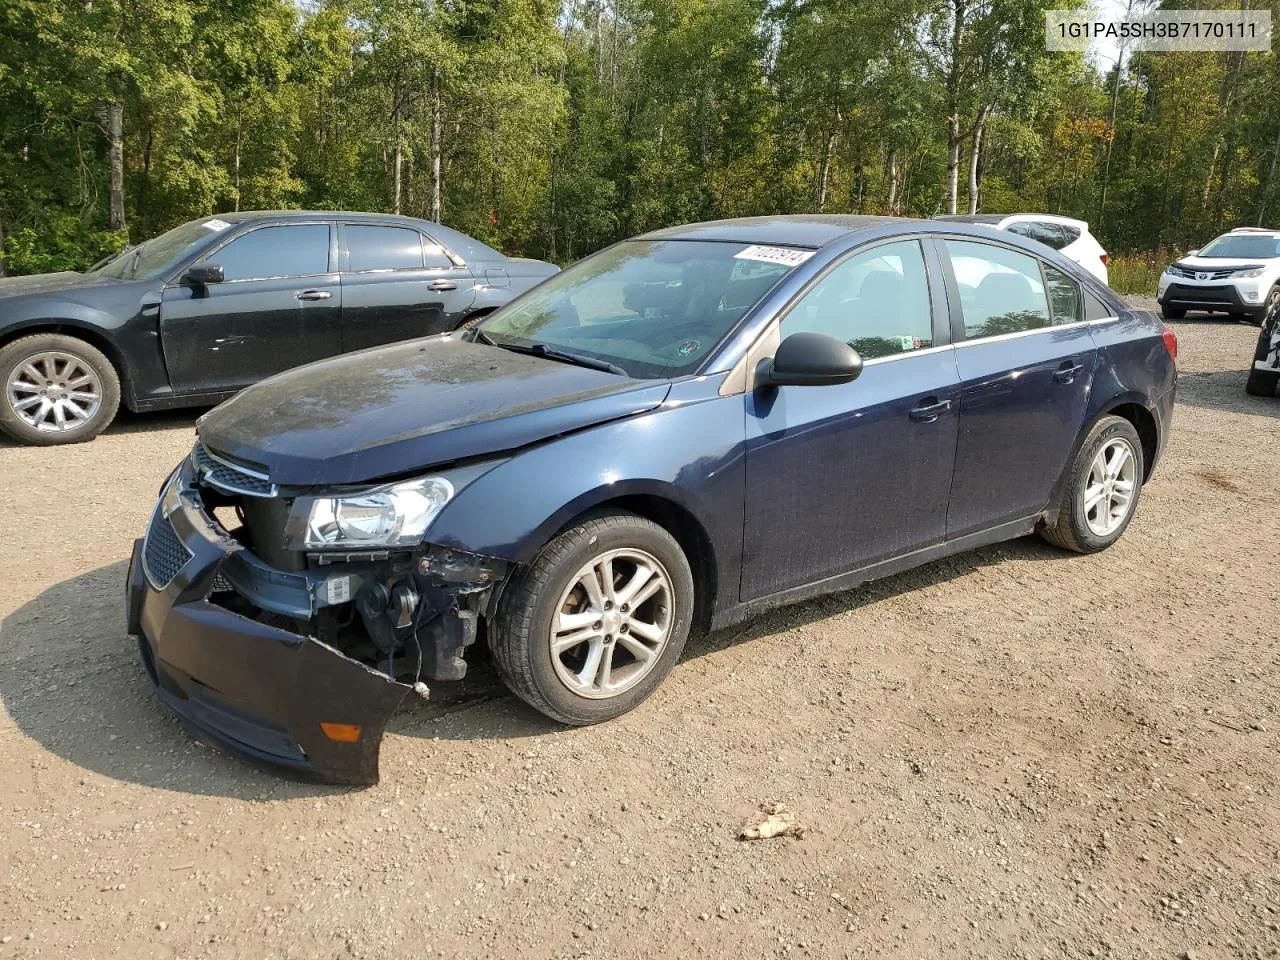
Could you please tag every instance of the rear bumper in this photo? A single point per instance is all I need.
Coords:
(254, 689)
(1219, 296)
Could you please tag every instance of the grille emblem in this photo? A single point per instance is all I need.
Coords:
(1202, 276)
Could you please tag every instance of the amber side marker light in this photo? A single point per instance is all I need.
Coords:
(342, 732)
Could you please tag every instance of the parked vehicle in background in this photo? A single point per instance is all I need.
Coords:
(198, 313)
(1069, 237)
(1237, 273)
(679, 432)
(1264, 375)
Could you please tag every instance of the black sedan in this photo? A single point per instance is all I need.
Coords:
(1264, 375)
(197, 314)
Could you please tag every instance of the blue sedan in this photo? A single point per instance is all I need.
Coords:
(674, 434)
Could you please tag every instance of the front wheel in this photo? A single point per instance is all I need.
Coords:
(598, 620)
(1261, 383)
(1172, 313)
(56, 389)
(1102, 489)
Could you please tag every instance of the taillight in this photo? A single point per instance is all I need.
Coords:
(1171, 344)
(1106, 261)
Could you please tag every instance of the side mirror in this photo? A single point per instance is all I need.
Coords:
(1192, 253)
(203, 274)
(811, 360)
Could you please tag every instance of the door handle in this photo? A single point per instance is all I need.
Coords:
(313, 295)
(442, 285)
(930, 410)
(1067, 372)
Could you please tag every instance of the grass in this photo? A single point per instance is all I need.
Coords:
(1131, 273)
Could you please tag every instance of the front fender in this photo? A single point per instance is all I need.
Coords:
(687, 452)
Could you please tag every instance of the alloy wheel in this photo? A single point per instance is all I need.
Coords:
(612, 623)
(1109, 489)
(54, 392)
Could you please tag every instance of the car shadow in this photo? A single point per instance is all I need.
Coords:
(71, 680)
(1224, 390)
(127, 421)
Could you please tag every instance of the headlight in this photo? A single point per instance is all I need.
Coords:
(393, 516)
(1249, 274)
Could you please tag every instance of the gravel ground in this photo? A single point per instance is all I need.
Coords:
(1012, 753)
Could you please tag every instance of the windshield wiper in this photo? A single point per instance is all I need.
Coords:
(563, 356)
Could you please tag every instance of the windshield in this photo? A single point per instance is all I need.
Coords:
(160, 253)
(655, 308)
(1243, 246)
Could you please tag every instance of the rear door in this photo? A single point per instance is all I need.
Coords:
(1026, 359)
(398, 284)
(279, 305)
(840, 477)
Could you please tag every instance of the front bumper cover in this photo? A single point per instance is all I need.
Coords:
(1218, 296)
(249, 687)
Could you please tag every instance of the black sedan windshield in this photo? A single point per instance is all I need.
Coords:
(160, 253)
(1242, 246)
(654, 308)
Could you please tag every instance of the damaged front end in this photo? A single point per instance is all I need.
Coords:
(286, 655)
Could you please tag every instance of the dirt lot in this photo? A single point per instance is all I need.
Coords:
(1015, 753)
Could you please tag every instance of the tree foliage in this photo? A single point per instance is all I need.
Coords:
(553, 127)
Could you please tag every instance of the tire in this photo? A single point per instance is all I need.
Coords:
(471, 319)
(1261, 383)
(520, 637)
(41, 361)
(1271, 303)
(1172, 313)
(1077, 526)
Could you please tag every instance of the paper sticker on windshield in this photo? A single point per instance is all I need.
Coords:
(216, 224)
(786, 256)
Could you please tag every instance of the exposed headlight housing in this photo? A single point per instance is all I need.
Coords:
(393, 516)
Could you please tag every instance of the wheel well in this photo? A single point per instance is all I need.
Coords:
(91, 337)
(1148, 432)
(691, 536)
(476, 315)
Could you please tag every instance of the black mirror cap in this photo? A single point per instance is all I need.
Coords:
(811, 360)
(205, 273)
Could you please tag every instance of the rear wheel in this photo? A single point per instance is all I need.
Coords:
(1262, 383)
(598, 620)
(56, 389)
(1102, 489)
(1172, 313)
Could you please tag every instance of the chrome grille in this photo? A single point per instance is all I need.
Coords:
(1210, 274)
(163, 554)
(229, 477)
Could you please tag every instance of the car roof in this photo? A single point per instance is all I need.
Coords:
(995, 218)
(465, 246)
(794, 230)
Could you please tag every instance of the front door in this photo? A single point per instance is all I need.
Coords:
(1026, 359)
(398, 284)
(841, 477)
(279, 305)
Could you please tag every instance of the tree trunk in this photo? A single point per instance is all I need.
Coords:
(1271, 179)
(891, 201)
(975, 157)
(1111, 142)
(4, 270)
(397, 163)
(859, 188)
(239, 133)
(824, 171)
(115, 156)
(437, 138)
(959, 10)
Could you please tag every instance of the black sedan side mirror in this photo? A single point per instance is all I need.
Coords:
(811, 360)
(203, 274)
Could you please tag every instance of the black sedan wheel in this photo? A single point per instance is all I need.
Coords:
(598, 621)
(56, 389)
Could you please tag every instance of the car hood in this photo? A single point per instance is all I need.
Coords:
(410, 406)
(46, 283)
(1223, 263)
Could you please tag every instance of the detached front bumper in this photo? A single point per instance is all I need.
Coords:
(255, 689)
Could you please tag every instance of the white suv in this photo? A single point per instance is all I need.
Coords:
(1069, 237)
(1238, 274)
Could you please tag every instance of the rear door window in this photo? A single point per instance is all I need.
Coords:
(299, 250)
(379, 249)
(1064, 296)
(1050, 234)
(1001, 290)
